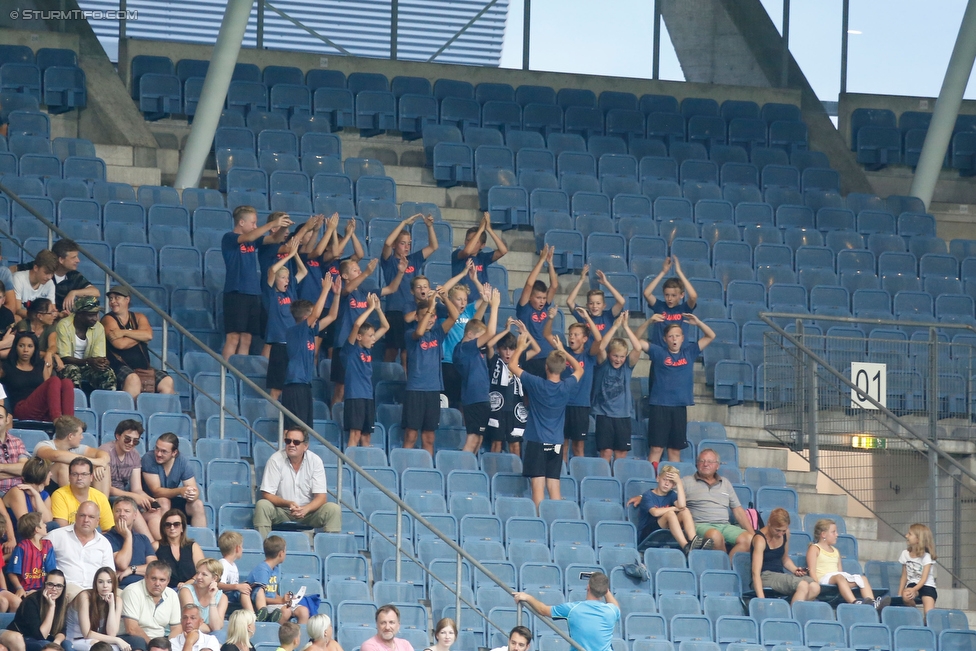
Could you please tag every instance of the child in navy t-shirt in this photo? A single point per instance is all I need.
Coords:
(296, 395)
(533, 308)
(612, 402)
(422, 401)
(672, 391)
(359, 411)
(473, 371)
(680, 298)
(663, 507)
(596, 301)
(474, 249)
(281, 292)
(542, 459)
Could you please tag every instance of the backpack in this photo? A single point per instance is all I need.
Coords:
(755, 519)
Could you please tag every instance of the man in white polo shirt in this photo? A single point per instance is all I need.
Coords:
(150, 608)
(81, 550)
(191, 638)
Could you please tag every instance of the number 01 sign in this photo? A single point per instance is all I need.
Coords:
(870, 380)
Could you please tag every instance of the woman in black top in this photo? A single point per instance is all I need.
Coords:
(34, 392)
(772, 568)
(41, 616)
(176, 550)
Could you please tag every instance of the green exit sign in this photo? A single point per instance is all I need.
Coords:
(869, 442)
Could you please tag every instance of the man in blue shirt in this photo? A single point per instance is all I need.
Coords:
(168, 477)
(591, 622)
(542, 459)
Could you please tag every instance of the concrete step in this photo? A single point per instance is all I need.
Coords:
(957, 598)
(820, 503)
(134, 176)
(872, 550)
(760, 457)
(119, 155)
(64, 125)
(862, 528)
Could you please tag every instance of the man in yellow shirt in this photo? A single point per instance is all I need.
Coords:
(66, 500)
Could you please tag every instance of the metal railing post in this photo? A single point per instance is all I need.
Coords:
(259, 35)
(933, 435)
(457, 593)
(844, 26)
(656, 55)
(394, 28)
(281, 430)
(526, 28)
(399, 540)
(800, 382)
(165, 336)
(339, 490)
(122, 21)
(223, 398)
(784, 75)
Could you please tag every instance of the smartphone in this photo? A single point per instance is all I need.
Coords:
(154, 504)
(585, 575)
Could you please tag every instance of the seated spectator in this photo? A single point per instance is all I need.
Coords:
(204, 593)
(231, 545)
(168, 477)
(96, 615)
(445, 634)
(32, 558)
(772, 567)
(265, 580)
(81, 346)
(519, 639)
(128, 334)
(7, 329)
(40, 319)
(240, 627)
(34, 282)
(710, 497)
(31, 495)
(81, 550)
(34, 619)
(66, 500)
(132, 550)
(289, 636)
(387, 626)
(151, 609)
(13, 453)
(663, 507)
(293, 489)
(192, 638)
(823, 564)
(125, 464)
(180, 553)
(35, 392)
(69, 284)
(7, 279)
(67, 446)
(160, 644)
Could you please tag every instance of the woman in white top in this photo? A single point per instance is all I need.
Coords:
(96, 614)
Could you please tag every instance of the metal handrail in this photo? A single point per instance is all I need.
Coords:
(285, 413)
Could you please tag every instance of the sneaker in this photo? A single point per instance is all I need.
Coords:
(274, 615)
(687, 548)
(708, 544)
(882, 602)
(261, 615)
(858, 602)
(697, 542)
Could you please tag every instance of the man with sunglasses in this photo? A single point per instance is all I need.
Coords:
(125, 464)
(81, 550)
(293, 489)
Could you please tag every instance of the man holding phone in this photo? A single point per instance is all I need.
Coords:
(591, 622)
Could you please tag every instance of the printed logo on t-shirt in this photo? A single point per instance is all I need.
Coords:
(312, 263)
(425, 345)
(601, 326)
(284, 300)
(668, 316)
(247, 248)
(357, 305)
(669, 361)
(310, 345)
(539, 317)
(366, 357)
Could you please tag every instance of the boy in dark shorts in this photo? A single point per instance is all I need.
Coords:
(281, 292)
(542, 459)
(675, 305)
(613, 405)
(596, 301)
(475, 239)
(332, 257)
(353, 303)
(359, 411)
(506, 423)
(663, 507)
(242, 287)
(296, 395)
(396, 249)
(422, 402)
(533, 308)
(470, 364)
(673, 369)
(583, 343)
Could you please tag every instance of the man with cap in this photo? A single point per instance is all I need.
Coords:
(128, 335)
(81, 346)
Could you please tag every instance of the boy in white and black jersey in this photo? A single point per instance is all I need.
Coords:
(506, 423)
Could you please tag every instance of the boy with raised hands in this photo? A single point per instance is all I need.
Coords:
(533, 307)
(506, 423)
(331, 259)
(542, 459)
(680, 298)
(397, 249)
(353, 303)
(472, 369)
(613, 404)
(359, 410)
(578, 338)
(425, 381)
(311, 253)
(474, 249)
(281, 292)
(296, 395)
(596, 301)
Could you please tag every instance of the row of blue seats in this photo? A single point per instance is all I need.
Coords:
(879, 138)
(60, 87)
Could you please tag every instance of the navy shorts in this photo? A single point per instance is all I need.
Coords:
(242, 313)
(476, 418)
(421, 410)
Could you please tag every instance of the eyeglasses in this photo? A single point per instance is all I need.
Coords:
(59, 586)
(294, 441)
(130, 440)
(78, 475)
(161, 451)
(173, 525)
(707, 462)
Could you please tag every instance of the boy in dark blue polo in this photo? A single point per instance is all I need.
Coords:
(242, 286)
(542, 459)
(533, 308)
(352, 304)
(296, 396)
(396, 250)
(472, 368)
(673, 368)
(474, 249)
(425, 382)
(359, 411)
